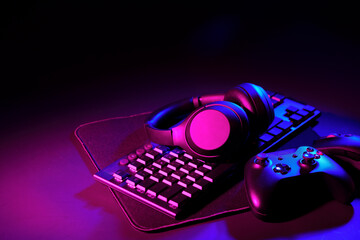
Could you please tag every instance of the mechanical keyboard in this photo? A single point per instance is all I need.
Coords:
(173, 182)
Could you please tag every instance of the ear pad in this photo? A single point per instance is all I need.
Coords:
(256, 103)
(216, 129)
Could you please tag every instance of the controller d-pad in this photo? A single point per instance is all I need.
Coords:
(282, 168)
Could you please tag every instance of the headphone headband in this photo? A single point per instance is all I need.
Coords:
(160, 123)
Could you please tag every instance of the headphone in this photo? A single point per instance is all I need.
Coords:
(213, 126)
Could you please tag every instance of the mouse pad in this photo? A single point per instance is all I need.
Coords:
(102, 142)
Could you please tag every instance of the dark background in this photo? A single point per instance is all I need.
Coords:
(65, 63)
(60, 55)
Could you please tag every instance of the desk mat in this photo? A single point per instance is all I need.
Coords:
(102, 142)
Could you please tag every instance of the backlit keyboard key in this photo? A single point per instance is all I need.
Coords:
(187, 169)
(156, 189)
(145, 160)
(193, 176)
(178, 174)
(157, 177)
(185, 182)
(142, 175)
(145, 185)
(210, 165)
(166, 171)
(135, 166)
(152, 154)
(120, 175)
(174, 166)
(177, 152)
(202, 170)
(132, 181)
(178, 200)
(266, 137)
(182, 160)
(161, 149)
(151, 169)
(201, 184)
(170, 192)
(159, 163)
(168, 158)
(170, 180)
(275, 131)
(215, 174)
(285, 125)
(191, 191)
(195, 163)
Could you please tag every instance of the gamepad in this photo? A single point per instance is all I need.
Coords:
(345, 147)
(286, 184)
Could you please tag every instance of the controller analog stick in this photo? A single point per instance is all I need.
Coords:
(308, 159)
(262, 159)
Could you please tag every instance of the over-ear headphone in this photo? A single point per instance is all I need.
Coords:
(213, 126)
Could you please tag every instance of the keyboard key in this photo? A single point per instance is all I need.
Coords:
(266, 137)
(161, 149)
(177, 152)
(193, 176)
(159, 163)
(202, 170)
(151, 169)
(143, 186)
(285, 125)
(157, 177)
(166, 171)
(152, 154)
(145, 160)
(182, 160)
(215, 174)
(156, 189)
(135, 166)
(174, 166)
(195, 163)
(178, 201)
(142, 175)
(295, 118)
(275, 122)
(120, 175)
(170, 192)
(186, 169)
(303, 113)
(210, 165)
(185, 182)
(201, 184)
(275, 131)
(191, 191)
(132, 181)
(168, 158)
(178, 174)
(291, 109)
(170, 180)
(309, 108)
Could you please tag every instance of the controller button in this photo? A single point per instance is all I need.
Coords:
(317, 156)
(319, 153)
(294, 155)
(309, 149)
(332, 135)
(262, 159)
(282, 168)
(280, 158)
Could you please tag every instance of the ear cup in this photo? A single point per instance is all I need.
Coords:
(256, 103)
(216, 129)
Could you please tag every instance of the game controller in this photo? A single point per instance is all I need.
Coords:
(345, 147)
(287, 184)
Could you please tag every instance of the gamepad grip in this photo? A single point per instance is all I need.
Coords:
(286, 184)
